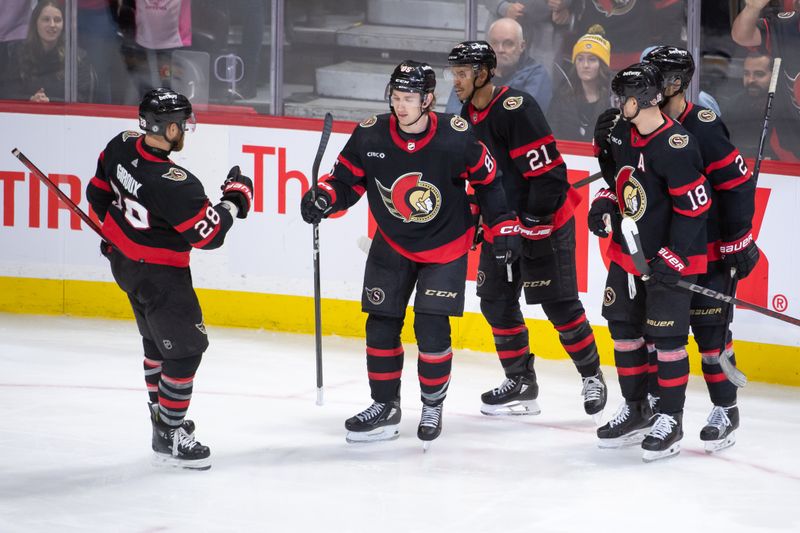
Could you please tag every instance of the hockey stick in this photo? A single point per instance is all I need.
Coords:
(631, 235)
(586, 181)
(327, 126)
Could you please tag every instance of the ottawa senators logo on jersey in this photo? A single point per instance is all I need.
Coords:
(609, 297)
(678, 141)
(175, 174)
(411, 199)
(614, 7)
(512, 102)
(632, 197)
(706, 115)
(366, 123)
(130, 134)
(458, 123)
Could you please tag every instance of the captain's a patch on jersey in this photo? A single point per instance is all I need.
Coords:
(512, 102)
(366, 123)
(458, 123)
(679, 141)
(130, 134)
(175, 174)
(707, 115)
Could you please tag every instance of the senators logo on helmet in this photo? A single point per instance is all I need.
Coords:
(411, 199)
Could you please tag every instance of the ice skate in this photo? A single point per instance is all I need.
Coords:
(187, 425)
(627, 427)
(664, 439)
(174, 447)
(594, 394)
(430, 424)
(720, 431)
(379, 421)
(515, 396)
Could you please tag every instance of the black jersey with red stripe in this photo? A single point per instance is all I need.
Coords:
(731, 213)
(416, 184)
(153, 210)
(534, 175)
(660, 184)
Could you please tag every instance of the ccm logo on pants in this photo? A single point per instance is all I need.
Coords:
(537, 283)
(440, 294)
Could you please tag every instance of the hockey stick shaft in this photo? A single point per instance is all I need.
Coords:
(57, 191)
(586, 181)
(327, 126)
(776, 68)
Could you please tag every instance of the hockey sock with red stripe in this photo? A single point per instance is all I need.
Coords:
(435, 356)
(652, 370)
(152, 369)
(175, 389)
(630, 356)
(510, 335)
(673, 375)
(384, 357)
(575, 334)
(720, 389)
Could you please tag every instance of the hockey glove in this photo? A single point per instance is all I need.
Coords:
(313, 211)
(505, 238)
(475, 211)
(602, 128)
(105, 248)
(536, 228)
(666, 267)
(741, 254)
(238, 190)
(604, 203)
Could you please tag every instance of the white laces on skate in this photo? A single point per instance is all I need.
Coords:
(370, 412)
(653, 401)
(663, 426)
(431, 416)
(620, 416)
(182, 441)
(719, 418)
(506, 386)
(592, 389)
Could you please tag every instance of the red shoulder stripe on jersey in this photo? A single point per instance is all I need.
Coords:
(682, 117)
(544, 169)
(722, 163)
(146, 155)
(732, 184)
(522, 150)
(683, 189)
(139, 252)
(693, 212)
(419, 144)
(443, 254)
(100, 184)
(480, 115)
(183, 226)
(357, 172)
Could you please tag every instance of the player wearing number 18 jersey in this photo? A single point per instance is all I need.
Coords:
(153, 213)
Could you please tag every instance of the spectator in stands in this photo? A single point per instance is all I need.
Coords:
(744, 115)
(40, 59)
(252, 15)
(513, 67)
(98, 35)
(14, 19)
(779, 34)
(585, 91)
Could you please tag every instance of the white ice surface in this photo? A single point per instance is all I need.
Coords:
(75, 447)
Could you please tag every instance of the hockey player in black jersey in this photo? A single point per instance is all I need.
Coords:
(534, 177)
(655, 173)
(730, 235)
(153, 213)
(414, 166)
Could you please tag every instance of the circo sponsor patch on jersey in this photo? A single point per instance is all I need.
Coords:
(458, 123)
(175, 174)
(512, 102)
(679, 141)
(130, 135)
(707, 115)
(366, 123)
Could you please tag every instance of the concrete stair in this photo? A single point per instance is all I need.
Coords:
(405, 38)
(441, 14)
(366, 81)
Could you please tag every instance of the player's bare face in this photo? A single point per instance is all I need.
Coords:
(463, 81)
(176, 136)
(49, 26)
(407, 108)
(587, 66)
(630, 108)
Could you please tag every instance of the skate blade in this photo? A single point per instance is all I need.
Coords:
(597, 418)
(379, 434)
(515, 408)
(649, 456)
(631, 439)
(426, 444)
(162, 459)
(719, 445)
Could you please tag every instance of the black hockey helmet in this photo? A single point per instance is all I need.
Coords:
(643, 81)
(473, 53)
(674, 63)
(411, 77)
(161, 107)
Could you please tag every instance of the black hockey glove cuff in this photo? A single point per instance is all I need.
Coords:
(238, 190)
(313, 210)
(604, 207)
(504, 234)
(741, 254)
(536, 228)
(667, 267)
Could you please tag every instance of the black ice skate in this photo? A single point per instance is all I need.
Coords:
(379, 421)
(594, 396)
(430, 424)
(627, 427)
(188, 425)
(719, 432)
(664, 439)
(515, 396)
(175, 447)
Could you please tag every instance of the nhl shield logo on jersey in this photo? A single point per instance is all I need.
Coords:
(512, 102)
(631, 193)
(366, 123)
(707, 115)
(679, 141)
(614, 7)
(411, 199)
(175, 174)
(458, 123)
(130, 135)
(376, 296)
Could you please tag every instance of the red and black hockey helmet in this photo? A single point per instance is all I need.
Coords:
(412, 77)
(674, 63)
(473, 53)
(161, 107)
(643, 81)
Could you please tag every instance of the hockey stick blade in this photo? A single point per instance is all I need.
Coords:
(57, 191)
(631, 235)
(586, 181)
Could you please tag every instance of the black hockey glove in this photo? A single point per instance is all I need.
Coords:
(666, 267)
(238, 190)
(602, 128)
(475, 211)
(314, 211)
(505, 238)
(604, 203)
(741, 254)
